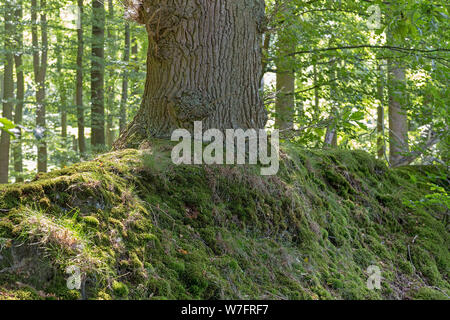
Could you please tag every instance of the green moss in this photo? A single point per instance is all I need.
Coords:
(91, 221)
(120, 289)
(143, 228)
(426, 293)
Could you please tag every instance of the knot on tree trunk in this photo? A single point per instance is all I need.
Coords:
(192, 106)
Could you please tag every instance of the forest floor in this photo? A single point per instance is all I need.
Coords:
(139, 227)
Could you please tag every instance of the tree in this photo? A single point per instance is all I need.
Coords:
(8, 91)
(98, 75)
(112, 75)
(40, 71)
(124, 98)
(79, 81)
(61, 85)
(285, 104)
(398, 118)
(330, 139)
(20, 92)
(381, 146)
(204, 64)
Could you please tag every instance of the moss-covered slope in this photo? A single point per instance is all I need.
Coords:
(139, 227)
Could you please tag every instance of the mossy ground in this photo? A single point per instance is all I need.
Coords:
(139, 227)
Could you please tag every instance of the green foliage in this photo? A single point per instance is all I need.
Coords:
(7, 126)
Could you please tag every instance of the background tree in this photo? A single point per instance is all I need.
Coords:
(40, 54)
(8, 89)
(97, 75)
(79, 79)
(20, 91)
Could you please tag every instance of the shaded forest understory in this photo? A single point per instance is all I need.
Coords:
(139, 227)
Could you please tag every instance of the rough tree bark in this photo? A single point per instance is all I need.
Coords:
(203, 64)
(8, 91)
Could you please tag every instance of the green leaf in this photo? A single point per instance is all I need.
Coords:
(7, 125)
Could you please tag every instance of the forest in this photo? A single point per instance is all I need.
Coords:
(352, 95)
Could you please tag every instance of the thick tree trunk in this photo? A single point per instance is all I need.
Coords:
(40, 70)
(8, 92)
(204, 64)
(124, 99)
(398, 119)
(20, 95)
(97, 75)
(79, 83)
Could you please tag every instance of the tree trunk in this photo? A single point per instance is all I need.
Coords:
(381, 146)
(40, 70)
(20, 95)
(398, 119)
(285, 103)
(316, 115)
(8, 91)
(61, 86)
(97, 75)
(330, 139)
(203, 64)
(285, 84)
(124, 99)
(111, 95)
(79, 83)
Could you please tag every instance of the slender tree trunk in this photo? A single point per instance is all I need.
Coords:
(331, 133)
(20, 94)
(61, 86)
(124, 99)
(79, 82)
(8, 91)
(40, 70)
(398, 119)
(204, 64)
(111, 77)
(285, 103)
(285, 84)
(134, 52)
(381, 146)
(316, 115)
(97, 75)
(135, 81)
